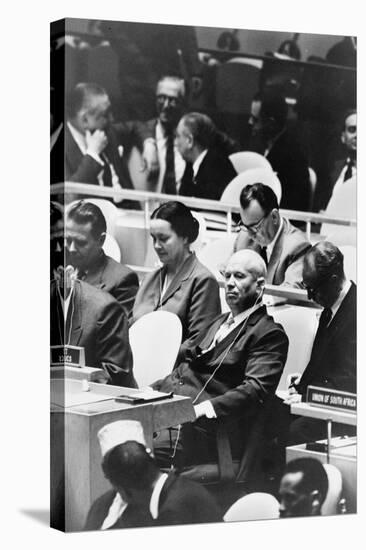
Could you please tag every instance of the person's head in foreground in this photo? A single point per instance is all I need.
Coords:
(303, 488)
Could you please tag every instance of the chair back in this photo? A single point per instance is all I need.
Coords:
(312, 180)
(231, 194)
(350, 261)
(342, 204)
(300, 325)
(109, 211)
(253, 506)
(245, 160)
(111, 248)
(330, 504)
(154, 339)
(201, 238)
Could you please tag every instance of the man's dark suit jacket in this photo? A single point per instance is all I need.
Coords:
(285, 264)
(181, 501)
(251, 359)
(333, 360)
(214, 173)
(289, 161)
(69, 164)
(96, 322)
(117, 279)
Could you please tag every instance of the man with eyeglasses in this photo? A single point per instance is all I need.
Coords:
(333, 358)
(264, 230)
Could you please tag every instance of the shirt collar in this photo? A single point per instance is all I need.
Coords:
(79, 138)
(244, 314)
(337, 304)
(271, 245)
(115, 511)
(155, 496)
(197, 162)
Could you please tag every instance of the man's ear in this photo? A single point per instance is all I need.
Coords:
(343, 137)
(102, 238)
(260, 283)
(315, 502)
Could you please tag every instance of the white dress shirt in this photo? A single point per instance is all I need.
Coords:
(179, 162)
(197, 163)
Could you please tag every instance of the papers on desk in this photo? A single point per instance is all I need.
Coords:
(66, 399)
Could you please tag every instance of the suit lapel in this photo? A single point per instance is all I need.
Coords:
(276, 255)
(73, 153)
(74, 316)
(183, 274)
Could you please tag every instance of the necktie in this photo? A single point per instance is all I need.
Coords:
(325, 318)
(348, 172)
(107, 174)
(169, 185)
(263, 253)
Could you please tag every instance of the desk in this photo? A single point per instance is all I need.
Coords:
(76, 475)
(322, 413)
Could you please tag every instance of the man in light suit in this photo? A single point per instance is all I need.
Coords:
(91, 149)
(233, 372)
(142, 495)
(264, 230)
(333, 358)
(85, 233)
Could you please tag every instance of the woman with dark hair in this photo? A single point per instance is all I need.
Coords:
(182, 285)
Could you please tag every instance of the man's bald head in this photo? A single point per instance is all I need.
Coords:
(244, 275)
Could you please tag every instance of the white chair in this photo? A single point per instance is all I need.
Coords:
(111, 248)
(312, 180)
(300, 325)
(330, 504)
(253, 506)
(245, 160)
(201, 238)
(216, 253)
(350, 261)
(109, 211)
(231, 194)
(155, 339)
(342, 204)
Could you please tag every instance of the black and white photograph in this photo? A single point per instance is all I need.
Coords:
(203, 270)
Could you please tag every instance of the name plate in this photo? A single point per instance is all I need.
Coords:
(69, 356)
(331, 399)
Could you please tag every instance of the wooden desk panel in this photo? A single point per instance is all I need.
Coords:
(76, 475)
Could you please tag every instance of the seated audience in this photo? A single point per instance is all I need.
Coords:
(273, 139)
(346, 168)
(85, 235)
(171, 103)
(182, 285)
(303, 488)
(232, 373)
(91, 148)
(84, 316)
(208, 169)
(264, 230)
(333, 358)
(142, 495)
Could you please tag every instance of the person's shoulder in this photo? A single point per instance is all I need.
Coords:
(201, 271)
(117, 270)
(95, 298)
(292, 234)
